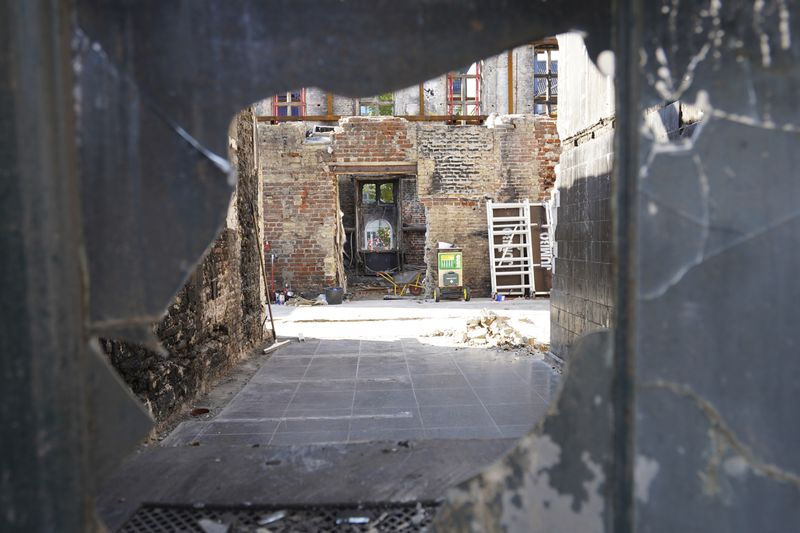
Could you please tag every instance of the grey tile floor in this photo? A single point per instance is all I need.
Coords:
(324, 391)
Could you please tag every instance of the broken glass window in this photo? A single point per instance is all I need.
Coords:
(368, 193)
(387, 193)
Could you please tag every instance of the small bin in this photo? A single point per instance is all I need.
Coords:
(334, 295)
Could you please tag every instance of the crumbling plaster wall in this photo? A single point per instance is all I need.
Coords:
(217, 317)
(494, 86)
(406, 101)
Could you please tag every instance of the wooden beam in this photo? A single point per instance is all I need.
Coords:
(373, 167)
(445, 118)
(307, 118)
(379, 171)
(549, 42)
(412, 118)
(330, 104)
(510, 82)
(373, 163)
(422, 99)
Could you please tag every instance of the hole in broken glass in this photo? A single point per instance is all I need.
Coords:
(394, 371)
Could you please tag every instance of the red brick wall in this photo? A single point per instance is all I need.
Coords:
(300, 207)
(364, 139)
(548, 154)
(413, 215)
(459, 167)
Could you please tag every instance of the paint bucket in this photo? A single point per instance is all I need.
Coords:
(499, 297)
(334, 295)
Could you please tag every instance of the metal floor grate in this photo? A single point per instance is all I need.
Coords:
(154, 518)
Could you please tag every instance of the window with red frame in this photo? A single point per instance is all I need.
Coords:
(464, 91)
(289, 104)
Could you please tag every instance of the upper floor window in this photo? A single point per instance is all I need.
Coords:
(289, 104)
(374, 106)
(464, 90)
(545, 78)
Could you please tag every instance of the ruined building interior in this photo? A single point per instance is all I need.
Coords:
(509, 267)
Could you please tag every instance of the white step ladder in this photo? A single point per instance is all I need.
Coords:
(510, 248)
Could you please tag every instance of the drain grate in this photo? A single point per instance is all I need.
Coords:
(154, 518)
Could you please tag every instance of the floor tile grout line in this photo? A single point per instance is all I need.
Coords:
(496, 426)
(285, 409)
(249, 382)
(534, 388)
(355, 388)
(413, 392)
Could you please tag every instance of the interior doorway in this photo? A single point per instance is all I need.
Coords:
(378, 230)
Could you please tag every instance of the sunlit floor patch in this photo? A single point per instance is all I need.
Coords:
(323, 391)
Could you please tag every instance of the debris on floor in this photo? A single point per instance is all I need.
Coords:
(210, 526)
(492, 330)
(299, 301)
(270, 518)
(380, 518)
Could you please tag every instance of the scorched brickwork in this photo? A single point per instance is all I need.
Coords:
(458, 167)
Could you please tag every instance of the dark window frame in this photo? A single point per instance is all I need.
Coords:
(548, 97)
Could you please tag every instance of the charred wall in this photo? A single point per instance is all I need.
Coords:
(458, 167)
(216, 318)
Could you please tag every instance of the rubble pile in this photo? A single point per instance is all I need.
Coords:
(493, 331)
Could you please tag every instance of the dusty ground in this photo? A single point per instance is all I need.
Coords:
(384, 320)
(369, 408)
(396, 319)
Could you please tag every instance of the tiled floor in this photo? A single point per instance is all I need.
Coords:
(352, 391)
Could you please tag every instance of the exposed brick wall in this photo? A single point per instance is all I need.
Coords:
(347, 200)
(300, 207)
(582, 295)
(458, 168)
(373, 139)
(413, 214)
(216, 318)
(365, 139)
(461, 221)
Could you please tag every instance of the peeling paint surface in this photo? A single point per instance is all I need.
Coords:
(645, 471)
(555, 478)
